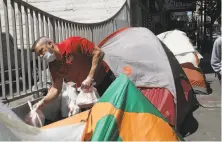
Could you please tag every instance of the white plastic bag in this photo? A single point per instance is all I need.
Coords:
(68, 102)
(35, 117)
(73, 108)
(12, 128)
(87, 97)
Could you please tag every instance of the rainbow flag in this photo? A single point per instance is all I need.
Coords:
(123, 113)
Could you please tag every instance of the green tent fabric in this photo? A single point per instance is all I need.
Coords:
(121, 111)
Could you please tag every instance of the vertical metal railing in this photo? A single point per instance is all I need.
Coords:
(2, 65)
(22, 73)
(33, 54)
(15, 46)
(28, 48)
(22, 46)
(7, 46)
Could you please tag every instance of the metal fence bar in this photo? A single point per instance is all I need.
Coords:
(80, 31)
(64, 27)
(66, 30)
(52, 29)
(42, 25)
(15, 47)
(63, 30)
(60, 31)
(8, 47)
(33, 54)
(46, 27)
(52, 32)
(28, 48)
(47, 34)
(22, 47)
(75, 29)
(22, 96)
(43, 62)
(69, 29)
(91, 29)
(56, 31)
(72, 29)
(39, 60)
(2, 64)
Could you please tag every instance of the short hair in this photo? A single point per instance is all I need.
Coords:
(40, 40)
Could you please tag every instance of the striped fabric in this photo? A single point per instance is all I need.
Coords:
(195, 76)
(124, 114)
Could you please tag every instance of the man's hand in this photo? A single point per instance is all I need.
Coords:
(39, 105)
(87, 83)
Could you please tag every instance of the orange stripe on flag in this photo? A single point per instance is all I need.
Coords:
(145, 127)
(69, 121)
(132, 126)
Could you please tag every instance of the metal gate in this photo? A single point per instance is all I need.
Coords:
(22, 73)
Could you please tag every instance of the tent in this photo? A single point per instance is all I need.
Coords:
(178, 42)
(140, 55)
(122, 114)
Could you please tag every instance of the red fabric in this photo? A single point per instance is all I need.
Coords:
(163, 100)
(76, 45)
(75, 62)
(186, 88)
(195, 77)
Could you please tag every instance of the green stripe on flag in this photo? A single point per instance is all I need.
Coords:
(109, 131)
(124, 95)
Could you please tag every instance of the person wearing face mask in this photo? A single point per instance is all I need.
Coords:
(75, 59)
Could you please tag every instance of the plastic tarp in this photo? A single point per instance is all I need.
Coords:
(12, 128)
(138, 53)
(128, 116)
(178, 42)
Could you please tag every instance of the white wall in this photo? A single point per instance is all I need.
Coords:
(82, 11)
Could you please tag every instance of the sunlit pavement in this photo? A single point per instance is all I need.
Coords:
(206, 122)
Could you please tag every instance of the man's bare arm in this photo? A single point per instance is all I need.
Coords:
(54, 91)
(97, 58)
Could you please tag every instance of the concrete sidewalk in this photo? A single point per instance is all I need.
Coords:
(205, 123)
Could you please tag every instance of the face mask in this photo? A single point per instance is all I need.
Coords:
(49, 57)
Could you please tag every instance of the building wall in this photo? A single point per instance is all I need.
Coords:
(82, 11)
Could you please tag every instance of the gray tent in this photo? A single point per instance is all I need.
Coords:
(139, 54)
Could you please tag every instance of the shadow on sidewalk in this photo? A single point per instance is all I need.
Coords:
(206, 69)
(205, 64)
(209, 89)
(190, 124)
